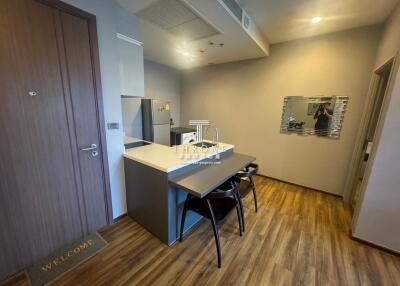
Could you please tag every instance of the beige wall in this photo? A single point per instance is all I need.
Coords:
(244, 100)
(160, 82)
(379, 214)
(390, 43)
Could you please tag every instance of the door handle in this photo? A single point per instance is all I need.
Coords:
(92, 148)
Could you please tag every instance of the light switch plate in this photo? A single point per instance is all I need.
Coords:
(112, 125)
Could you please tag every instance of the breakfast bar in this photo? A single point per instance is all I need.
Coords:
(158, 178)
(201, 181)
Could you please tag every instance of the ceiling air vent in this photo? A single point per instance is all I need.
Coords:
(177, 19)
(246, 21)
(235, 8)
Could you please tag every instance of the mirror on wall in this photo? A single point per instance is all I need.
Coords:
(317, 115)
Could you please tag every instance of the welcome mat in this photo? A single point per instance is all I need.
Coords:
(65, 259)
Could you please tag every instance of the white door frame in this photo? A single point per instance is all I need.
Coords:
(351, 179)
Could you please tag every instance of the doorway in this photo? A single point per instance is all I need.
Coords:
(54, 185)
(375, 110)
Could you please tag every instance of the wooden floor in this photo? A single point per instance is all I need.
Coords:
(357, 194)
(298, 237)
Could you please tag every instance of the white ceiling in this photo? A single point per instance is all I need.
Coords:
(278, 20)
(136, 5)
(167, 48)
(284, 20)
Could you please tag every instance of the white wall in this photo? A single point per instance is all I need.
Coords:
(110, 19)
(378, 220)
(245, 99)
(390, 42)
(160, 82)
(163, 82)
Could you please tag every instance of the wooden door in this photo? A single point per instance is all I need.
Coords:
(76, 40)
(51, 192)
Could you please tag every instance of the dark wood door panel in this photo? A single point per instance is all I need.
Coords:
(39, 206)
(83, 96)
(51, 193)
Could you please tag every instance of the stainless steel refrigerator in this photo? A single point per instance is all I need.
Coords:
(156, 116)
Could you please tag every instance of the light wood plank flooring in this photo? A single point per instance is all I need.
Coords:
(298, 237)
(357, 194)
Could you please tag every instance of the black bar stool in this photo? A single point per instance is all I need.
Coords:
(215, 207)
(245, 185)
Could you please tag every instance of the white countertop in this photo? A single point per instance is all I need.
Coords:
(168, 159)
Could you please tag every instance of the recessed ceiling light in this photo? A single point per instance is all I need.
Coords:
(187, 55)
(316, 20)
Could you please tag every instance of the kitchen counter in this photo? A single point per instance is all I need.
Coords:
(201, 181)
(129, 140)
(169, 159)
(180, 130)
(158, 179)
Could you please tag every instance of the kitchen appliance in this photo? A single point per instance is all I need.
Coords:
(136, 144)
(156, 116)
(182, 135)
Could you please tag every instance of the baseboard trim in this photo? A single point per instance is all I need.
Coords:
(189, 230)
(371, 244)
(118, 218)
(301, 186)
(16, 278)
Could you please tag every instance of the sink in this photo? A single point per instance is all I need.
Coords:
(204, 144)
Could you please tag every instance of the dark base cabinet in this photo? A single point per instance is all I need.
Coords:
(153, 203)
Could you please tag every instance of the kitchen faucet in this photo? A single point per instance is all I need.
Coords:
(216, 136)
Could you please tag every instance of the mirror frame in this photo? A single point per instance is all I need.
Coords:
(340, 106)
